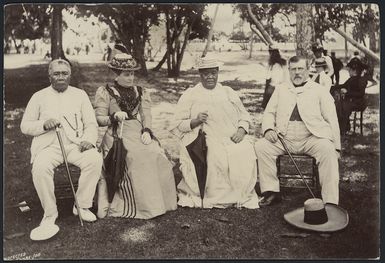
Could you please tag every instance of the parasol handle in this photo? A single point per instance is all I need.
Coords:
(121, 130)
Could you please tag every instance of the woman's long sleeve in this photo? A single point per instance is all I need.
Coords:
(145, 110)
(102, 101)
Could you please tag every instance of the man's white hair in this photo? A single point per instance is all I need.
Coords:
(58, 61)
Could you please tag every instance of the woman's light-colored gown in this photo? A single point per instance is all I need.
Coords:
(147, 189)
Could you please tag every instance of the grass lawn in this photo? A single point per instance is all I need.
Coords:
(185, 233)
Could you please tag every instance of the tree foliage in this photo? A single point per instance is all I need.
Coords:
(183, 23)
(266, 14)
(200, 28)
(363, 17)
(26, 21)
(129, 22)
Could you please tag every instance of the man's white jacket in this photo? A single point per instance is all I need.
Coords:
(315, 106)
(72, 108)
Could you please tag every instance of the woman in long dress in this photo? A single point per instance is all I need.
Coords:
(147, 188)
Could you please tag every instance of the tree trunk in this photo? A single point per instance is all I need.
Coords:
(251, 44)
(181, 53)
(346, 42)
(161, 62)
(259, 25)
(259, 35)
(372, 33)
(57, 32)
(138, 49)
(16, 46)
(210, 32)
(355, 43)
(305, 30)
(174, 58)
(169, 44)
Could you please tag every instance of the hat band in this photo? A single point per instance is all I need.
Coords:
(316, 217)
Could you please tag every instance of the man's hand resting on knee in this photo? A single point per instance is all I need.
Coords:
(271, 136)
(84, 146)
(238, 135)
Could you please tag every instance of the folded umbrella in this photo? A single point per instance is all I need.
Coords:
(115, 164)
(197, 150)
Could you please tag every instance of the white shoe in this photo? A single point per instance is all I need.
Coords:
(46, 229)
(86, 214)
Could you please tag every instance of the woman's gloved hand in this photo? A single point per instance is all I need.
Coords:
(146, 138)
(120, 116)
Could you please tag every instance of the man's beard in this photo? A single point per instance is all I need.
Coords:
(60, 87)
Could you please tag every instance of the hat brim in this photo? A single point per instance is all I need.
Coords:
(338, 219)
(124, 69)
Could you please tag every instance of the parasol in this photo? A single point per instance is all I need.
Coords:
(115, 164)
(198, 154)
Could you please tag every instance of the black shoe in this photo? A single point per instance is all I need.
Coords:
(270, 198)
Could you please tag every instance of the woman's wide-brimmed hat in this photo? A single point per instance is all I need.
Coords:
(208, 62)
(317, 216)
(124, 62)
(320, 62)
(356, 63)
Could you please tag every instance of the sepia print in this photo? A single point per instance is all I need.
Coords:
(191, 131)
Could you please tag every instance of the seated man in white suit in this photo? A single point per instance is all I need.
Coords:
(61, 105)
(303, 112)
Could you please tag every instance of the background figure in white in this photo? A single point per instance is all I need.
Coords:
(276, 74)
(231, 160)
(318, 53)
(320, 77)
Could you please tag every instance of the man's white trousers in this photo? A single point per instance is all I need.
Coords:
(300, 141)
(89, 162)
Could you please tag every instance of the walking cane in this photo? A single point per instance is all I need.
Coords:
(295, 164)
(68, 173)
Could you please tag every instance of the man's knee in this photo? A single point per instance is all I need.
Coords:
(326, 148)
(92, 158)
(41, 167)
(262, 146)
